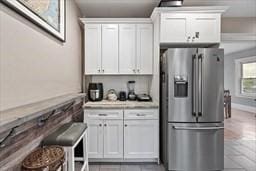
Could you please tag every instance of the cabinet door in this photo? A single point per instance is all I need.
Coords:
(127, 46)
(205, 28)
(144, 49)
(113, 139)
(95, 139)
(141, 139)
(110, 48)
(92, 48)
(174, 28)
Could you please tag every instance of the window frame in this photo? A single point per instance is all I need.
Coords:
(238, 75)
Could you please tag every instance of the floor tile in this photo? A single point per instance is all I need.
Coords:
(250, 154)
(230, 164)
(230, 150)
(110, 167)
(130, 167)
(152, 168)
(249, 144)
(94, 168)
(244, 162)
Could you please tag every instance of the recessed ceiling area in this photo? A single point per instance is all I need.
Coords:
(117, 8)
(144, 8)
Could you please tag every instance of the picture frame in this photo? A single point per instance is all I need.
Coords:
(56, 29)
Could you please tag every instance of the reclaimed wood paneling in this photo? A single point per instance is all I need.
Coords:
(26, 137)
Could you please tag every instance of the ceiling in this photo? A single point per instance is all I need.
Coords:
(144, 8)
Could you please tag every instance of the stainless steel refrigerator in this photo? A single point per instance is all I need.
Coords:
(192, 129)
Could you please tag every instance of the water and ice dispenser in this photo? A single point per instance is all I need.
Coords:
(180, 86)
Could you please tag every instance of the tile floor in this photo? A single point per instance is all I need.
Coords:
(240, 147)
(240, 142)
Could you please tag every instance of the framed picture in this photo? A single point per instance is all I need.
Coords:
(48, 14)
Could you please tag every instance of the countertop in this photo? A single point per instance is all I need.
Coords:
(120, 104)
(16, 116)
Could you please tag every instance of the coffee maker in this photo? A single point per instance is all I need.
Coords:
(131, 90)
(95, 91)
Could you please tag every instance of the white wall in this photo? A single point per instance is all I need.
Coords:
(238, 25)
(230, 77)
(34, 65)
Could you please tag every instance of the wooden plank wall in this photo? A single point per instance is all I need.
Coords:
(28, 136)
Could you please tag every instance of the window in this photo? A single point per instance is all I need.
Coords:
(246, 77)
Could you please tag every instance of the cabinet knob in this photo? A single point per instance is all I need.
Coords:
(138, 70)
(98, 70)
(100, 125)
(193, 39)
(103, 70)
(134, 70)
(105, 124)
(125, 125)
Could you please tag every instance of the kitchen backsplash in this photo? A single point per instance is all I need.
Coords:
(119, 83)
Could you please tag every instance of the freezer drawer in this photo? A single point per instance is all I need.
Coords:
(195, 147)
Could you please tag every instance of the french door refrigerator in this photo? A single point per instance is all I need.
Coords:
(192, 129)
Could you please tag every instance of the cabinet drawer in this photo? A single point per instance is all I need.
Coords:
(104, 114)
(141, 114)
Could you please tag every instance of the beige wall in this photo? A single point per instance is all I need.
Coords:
(34, 65)
(238, 25)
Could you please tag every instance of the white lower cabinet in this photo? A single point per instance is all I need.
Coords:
(113, 139)
(95, 138)
(123, 135)
(105, 138)
(141, 139)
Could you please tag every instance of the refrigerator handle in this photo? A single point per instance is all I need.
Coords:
(194, 85)
(197, 128)
(200, 85)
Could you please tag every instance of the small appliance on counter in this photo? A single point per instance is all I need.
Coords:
(144, 97)
(112, 95)
(95, 91)
(131, 90)
(122, 96)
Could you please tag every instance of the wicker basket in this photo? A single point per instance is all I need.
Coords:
(49, 158)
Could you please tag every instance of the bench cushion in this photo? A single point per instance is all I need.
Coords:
(66, 135)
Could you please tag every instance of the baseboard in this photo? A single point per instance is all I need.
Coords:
(243, 107)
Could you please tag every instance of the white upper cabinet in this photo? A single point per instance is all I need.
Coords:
(174, 28)
(110, 48)
(205, 28)
(144, 49)
(127, 48)
(92, 48)
(185, 28)
(119, 47)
